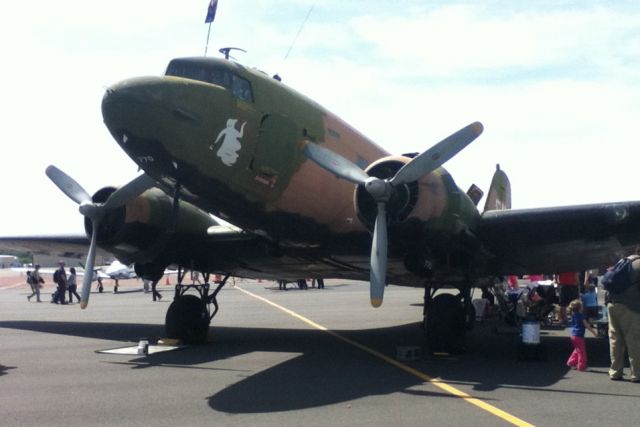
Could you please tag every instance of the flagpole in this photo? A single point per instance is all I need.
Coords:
(206, 47)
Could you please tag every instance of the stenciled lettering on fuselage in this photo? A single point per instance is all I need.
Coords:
(230, 136)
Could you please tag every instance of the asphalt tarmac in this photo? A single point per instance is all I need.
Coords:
(311, 358)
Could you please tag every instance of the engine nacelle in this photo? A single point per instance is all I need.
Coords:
(145, 231)
(423, 199)
(431, 219)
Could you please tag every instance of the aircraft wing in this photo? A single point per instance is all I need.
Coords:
(549, 240)
(62, 245)
(96, 274)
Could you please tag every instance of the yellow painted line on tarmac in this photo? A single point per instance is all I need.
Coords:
(436, 382)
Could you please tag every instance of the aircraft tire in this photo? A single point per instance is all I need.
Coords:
(187, 320)
(445, 324)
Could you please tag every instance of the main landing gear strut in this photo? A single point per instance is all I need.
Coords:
(189, 316)
(446, 318)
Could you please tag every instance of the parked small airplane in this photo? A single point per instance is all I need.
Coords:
(310, 197)
(119, 271)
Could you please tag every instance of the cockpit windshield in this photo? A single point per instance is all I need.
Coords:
(211, 73)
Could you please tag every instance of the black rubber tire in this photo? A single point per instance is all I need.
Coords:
(445, 324)
(187, 320)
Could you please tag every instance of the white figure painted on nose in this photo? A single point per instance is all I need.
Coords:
(230, 136)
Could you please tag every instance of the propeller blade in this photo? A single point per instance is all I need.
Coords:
(129, 191)
(437, 155)
(335, 163)
(379, 257)
(88, 271)
(68, 185)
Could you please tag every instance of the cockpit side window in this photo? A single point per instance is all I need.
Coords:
(218, 77)
(193, 71)
(240, 87)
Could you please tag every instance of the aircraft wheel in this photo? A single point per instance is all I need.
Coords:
(445, 324)
(187, 320)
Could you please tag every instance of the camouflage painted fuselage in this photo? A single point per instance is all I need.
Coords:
(233, 139)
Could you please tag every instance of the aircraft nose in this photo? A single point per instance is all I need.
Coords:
(134, 102)
(159, 120)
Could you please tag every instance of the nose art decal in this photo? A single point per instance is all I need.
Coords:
(230, 136)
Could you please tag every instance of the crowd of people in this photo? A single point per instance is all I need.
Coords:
(64, 283)
(578, 309)
(68, 283)
(576, 298)
(302, 284)
(570, 300)
(578, 301)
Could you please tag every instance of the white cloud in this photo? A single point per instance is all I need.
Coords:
(463, 38)
(556, 87)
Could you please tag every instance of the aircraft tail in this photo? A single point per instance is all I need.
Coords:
(499, 197)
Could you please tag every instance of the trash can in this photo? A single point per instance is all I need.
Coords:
(530, 332)
(530, 348)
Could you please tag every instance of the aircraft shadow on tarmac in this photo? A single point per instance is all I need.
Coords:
(328, 371)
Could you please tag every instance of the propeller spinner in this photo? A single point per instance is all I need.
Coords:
(96, 211)
(382, 189)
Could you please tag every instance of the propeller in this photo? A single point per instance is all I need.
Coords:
(382, 189)
(96, 211)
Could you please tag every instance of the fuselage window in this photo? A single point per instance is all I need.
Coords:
(241, 88)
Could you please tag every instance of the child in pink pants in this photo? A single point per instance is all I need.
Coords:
(578, 358)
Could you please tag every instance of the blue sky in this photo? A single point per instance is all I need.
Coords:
(554, 82)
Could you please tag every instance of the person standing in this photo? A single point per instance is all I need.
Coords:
(36, 282)
(72, 285)
(578, 357)
(60, 277)
(568, 285)
(156, 294)
(624, 325)
(590, 302)
(31, 284)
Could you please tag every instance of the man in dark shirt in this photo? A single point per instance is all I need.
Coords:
(60, 277)
(624, 326)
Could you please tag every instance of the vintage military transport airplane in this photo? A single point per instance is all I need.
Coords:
(312, 198)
